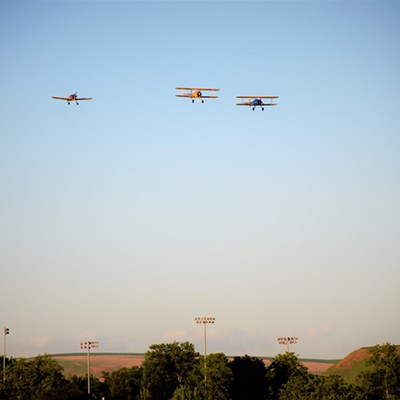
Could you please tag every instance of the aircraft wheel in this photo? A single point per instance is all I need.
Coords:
(262, 109)
(253, 108)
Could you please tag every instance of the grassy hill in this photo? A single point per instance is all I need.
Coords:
(76, 363)
(352, 365)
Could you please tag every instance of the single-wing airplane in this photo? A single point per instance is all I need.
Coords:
(72, 97)
(196, 93)
(256, 101)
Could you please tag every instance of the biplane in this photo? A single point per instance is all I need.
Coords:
(196, 93)
(72, 97)
(256, 101)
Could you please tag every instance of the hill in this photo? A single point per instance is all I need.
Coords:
(351, 366)
(76, 363)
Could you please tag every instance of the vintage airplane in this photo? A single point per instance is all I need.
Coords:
(72, 97)
(256, 101)
(196, 93)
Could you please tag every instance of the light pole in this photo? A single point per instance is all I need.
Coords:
(6, 332)
(287, 340)
(89, 345)
(205, 321)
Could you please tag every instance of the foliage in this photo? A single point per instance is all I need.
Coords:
(282, 368)
(249, 381)
(166, 367)
(313, 387)
(175, 371)
(382, 379)
(218, 377)
(123, 384)
(37, 379)
(184, 392)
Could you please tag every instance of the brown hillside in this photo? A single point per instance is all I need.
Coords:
(76, 364)
(350, 360)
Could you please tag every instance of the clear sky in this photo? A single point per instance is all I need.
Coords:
(124, 218)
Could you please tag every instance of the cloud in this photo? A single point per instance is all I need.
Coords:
(178, 336)
(319, 332)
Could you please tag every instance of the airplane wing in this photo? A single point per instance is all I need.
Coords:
(244, 104)
(191, 88)
(257, 97)
(59, 98)
(208, 89)
(85, 98)
(184, 95)
(209, 97)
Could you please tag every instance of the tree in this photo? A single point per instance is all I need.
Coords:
(312, 387)
(281, 369)
(382, 379)
(166, 367)
(249, 379)
(185, 392)
(35, 379)
(218, 377)
(123, 384)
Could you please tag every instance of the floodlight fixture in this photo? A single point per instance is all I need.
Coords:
(205, 321)
(89, 344)
(6, 331)
(286, 340)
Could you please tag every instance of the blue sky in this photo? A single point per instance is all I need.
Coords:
(124, 218)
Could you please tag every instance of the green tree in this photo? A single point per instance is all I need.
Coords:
(123, 384)
(218, 377)
(185, 392)
(314, 387)
(40, 378)
(249, 379)
(166, 367)
(382, 379)
(281, 369)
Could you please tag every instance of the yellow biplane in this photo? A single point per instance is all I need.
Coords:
(196, 93)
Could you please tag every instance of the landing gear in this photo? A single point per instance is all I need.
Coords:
(202, 101)
(253, 108)
(192, 100)
(262, 108)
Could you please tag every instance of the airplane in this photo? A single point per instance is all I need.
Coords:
(256, 101)
(72, 97)
(196, 93)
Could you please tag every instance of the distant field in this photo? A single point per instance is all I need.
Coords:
(76, 363)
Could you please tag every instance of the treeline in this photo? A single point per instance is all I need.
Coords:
(176, 371)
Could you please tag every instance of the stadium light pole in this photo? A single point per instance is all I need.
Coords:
(6, 332)
(89, 344)
(205, 321)
(287, 340)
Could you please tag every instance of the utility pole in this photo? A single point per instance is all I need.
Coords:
(205, 321)
(89, 345)
(6, 332)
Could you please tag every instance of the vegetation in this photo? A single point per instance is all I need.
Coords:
(176, 371)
